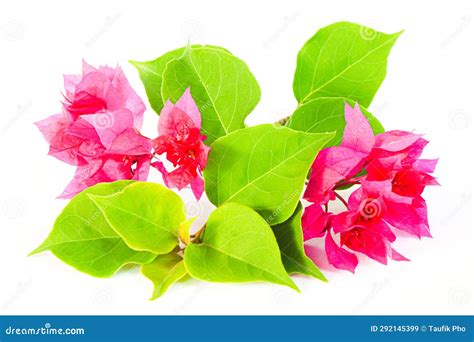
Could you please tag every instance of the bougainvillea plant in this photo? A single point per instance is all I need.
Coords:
(273, 185)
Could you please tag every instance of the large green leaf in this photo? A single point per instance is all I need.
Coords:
(151, 74)
(325, 114)
(237, 246)
(343, 60)
(83, 238)
(263, 167)
(289, 235)
(163, 272)
(145, 215)
(223, 87)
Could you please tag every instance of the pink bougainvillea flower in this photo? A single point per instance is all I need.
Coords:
(180, 138)
(391, 179)
(98, 130)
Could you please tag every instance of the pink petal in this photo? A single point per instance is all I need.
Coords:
(83, 129)
(339, 257)
(376, 189)
(331, 166)
(87, 68)
(383, 229)
(52, 126)
(358, 134)
(109, 125)
(70, 82)
(142, 168)
(186, 104)
(165, 126)
(115, 169)
(95, 86)
(409, 218)
(366, 241)
(174, 122)
(203, 156)
(161, 168)
(121, 95)
(425, 165)
(395, 141)
(83, 103)
(178, 178)
(387, 161)
(84, 177)
(397, 256)
(314, 222)
(197, 186)
(63, 145)
(410, 182)
(130, 143)
(344, 221)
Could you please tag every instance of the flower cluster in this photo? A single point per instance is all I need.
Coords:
(98, 132)
(391, 179)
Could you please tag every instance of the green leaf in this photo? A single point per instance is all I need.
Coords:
(237, 246)
(289, 235)
(83, 239)
(165, 270)
(263, 167)
(343, 60)
(151, 74)
(223, 87)
(325, 114)
(145, 215)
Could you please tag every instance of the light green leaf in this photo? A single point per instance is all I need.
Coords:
(325, 114)
(165, 270)
(289, 235)
(223, 87)
(83, 239)
(151, 74)
(343, 60)
(145, 215)
(263, 167)
(237, 246)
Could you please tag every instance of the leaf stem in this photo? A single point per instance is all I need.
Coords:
(352, 181)
(283, 121)
(194, 237)
(341, 199)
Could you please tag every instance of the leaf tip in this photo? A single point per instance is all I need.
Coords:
(291, 284)
(37, 250)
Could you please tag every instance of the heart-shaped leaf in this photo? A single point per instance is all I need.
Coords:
(163, 272)
(222, 85)
(289, 235)
(343, 60)
(327, 114)
(236, 246)
(263, 167)
(83, 238)
(145, 215)
(151, 74)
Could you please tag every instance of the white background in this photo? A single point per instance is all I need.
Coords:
(428, 88)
